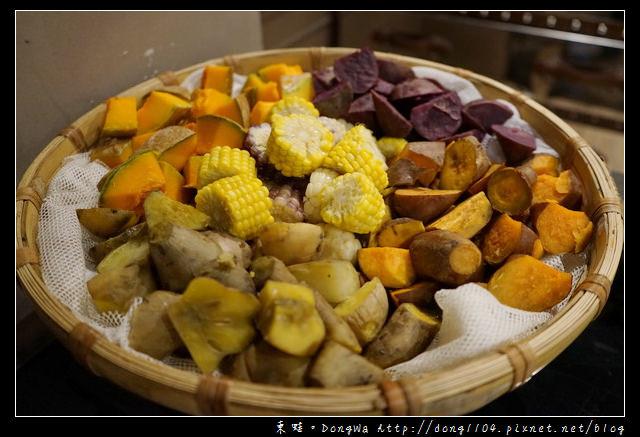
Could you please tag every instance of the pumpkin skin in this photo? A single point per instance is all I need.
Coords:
(121, 118)
(215, 130)
(128, 184)
(161, 109)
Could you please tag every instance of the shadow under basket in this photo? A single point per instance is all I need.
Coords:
(456, 390)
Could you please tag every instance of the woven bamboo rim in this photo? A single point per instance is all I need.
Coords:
(457, 390)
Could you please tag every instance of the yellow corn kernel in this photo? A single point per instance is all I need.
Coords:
(225, 161)
(239, 205)
(293, 105)
(352, 203)
(357, 152)
(298, 144)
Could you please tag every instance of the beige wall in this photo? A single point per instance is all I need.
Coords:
(67, 62)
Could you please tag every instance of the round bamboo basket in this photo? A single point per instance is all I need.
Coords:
(456, 390)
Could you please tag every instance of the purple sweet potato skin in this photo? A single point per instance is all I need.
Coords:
(359, 68)
(362, 110)
(516, 144)
(335, 101)
(439, 117)
(391, 121)
(324, 79)
(394, 72)
(482, 113)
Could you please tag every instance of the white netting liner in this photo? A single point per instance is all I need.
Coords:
(473, 320)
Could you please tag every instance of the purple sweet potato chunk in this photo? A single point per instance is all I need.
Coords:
(335, 101)
(362, 110)
(418, 89)
(439, 117)
(393, 71)
(323, 79)
(359, 68)
(392, 123)
(383, 87)
(467, 133)
(483, 113)
(516, 144)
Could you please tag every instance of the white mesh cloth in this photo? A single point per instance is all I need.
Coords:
(473, 321)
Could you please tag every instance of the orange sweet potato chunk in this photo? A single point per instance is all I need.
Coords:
(527, 283)
(392, 265)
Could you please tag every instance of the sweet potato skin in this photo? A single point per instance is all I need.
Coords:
(446, 257)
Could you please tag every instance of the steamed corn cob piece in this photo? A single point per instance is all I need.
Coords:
(318, 179)
(239, 205)
(298, 144)
(352, 203)
(358, 152)
(292, 105)
(224, 161)
(286, 205)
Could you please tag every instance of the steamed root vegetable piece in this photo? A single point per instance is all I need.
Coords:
(334, 102)
(335, 279)
(465, 161)
(293, 243)
(265, 268)
(359, 69)
(419, 294)
(288, 319)
(562, 230)
(103, 248)
(407, 333)
(467, 218)
(159, 208)
(427, 156)
(112, 151)
(264, 364)
(424, 204)
(509, 189)
(544, 163)
(446, 257)
(565, 189)
(135, 250)
(181, 254)
(363, 111)
(391, 121)
(506, 236)
(393, 71)
(152, 332)
(437, 118)
(527, 283)
(413, 91)
(516, 144)
(391, 265)
(115, 289)
(337, 328)
(399, 232)
(214, 321)
(336, 366)
(366, 311)
(481, 184)
(106, 222)
(483, 113)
